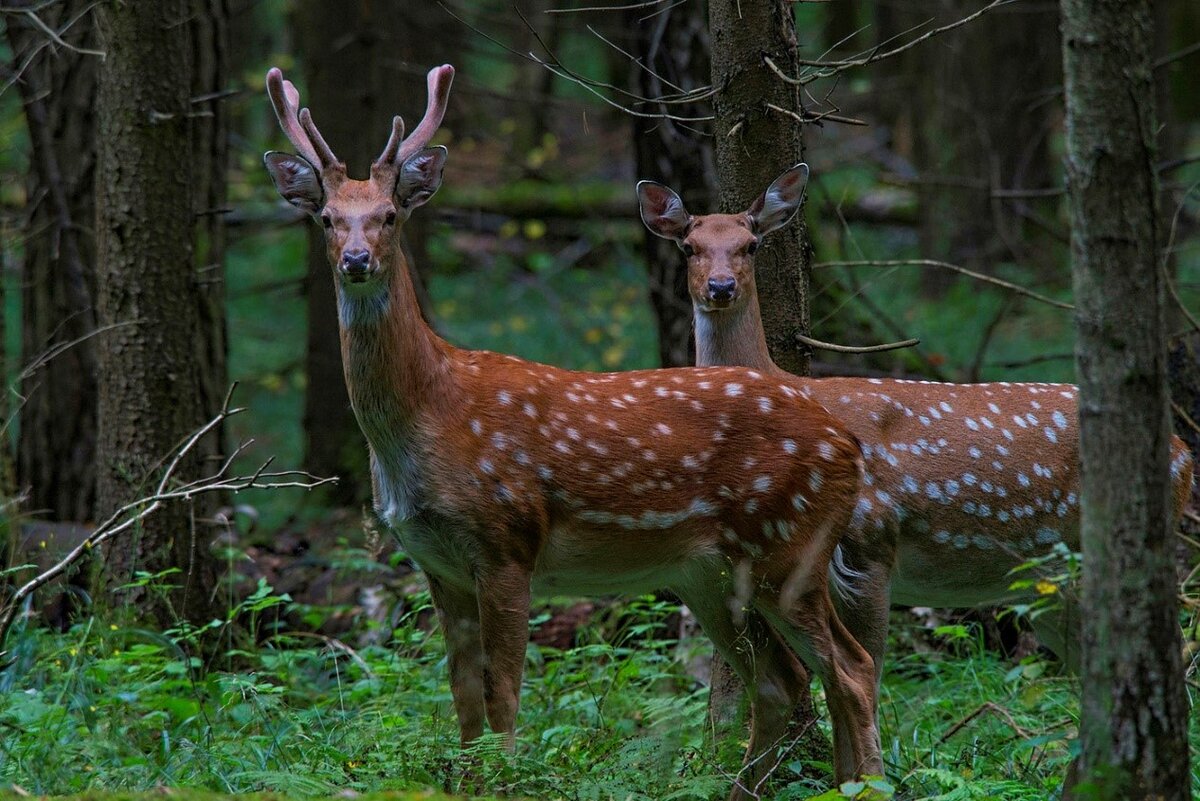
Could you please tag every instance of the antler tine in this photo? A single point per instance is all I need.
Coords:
(323, 150)
(393, 143)
(286, 100)
(438, 83)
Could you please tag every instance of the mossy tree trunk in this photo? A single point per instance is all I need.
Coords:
(1134, 712)
(151, 381)
(754, 144)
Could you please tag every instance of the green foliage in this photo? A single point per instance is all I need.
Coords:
(116, 707)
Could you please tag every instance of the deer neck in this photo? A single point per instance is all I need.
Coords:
(396, 367)
(732, 337)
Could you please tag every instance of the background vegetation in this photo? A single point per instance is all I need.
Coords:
(319, 670)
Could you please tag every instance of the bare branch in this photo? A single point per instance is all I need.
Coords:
(631, 6)
(556, 66)
(808, 117)
(826, 69)
(816, 343)
(130, 514)
(988, 279)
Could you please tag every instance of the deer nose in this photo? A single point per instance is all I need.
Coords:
(356, 262)
(721, 288)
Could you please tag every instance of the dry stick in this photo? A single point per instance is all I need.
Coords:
(830, 68)
(986, 706)
(629, 7)
(562, 71)
(1020, 290)
(128, 515)
(1186, 418)
(810, 117)
(1167, 255)
(816, 343)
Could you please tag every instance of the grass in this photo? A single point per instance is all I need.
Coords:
(110, 706)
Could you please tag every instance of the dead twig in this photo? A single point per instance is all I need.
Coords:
(995, 709)
(810, 117)
(1000, 282)
(129, 515)
(818, 344)
(827, 69)
(1187, 418)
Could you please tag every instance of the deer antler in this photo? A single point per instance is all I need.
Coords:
(297, 122)
(398, 148)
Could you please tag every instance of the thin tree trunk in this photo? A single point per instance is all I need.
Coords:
(56, 448)
(754, 144)
(673, 46)
(1134, 712)
(151, 387)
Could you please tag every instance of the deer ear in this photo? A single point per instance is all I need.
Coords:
(296, 180)
(775, 208)
(662, 210)
(420, 177)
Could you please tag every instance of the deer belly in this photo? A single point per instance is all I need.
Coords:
(437, 550)
(581, 561)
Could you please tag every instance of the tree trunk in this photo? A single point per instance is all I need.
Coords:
(372, 69)
(208, 30)
(151, 383)
(1133, 715)
(754, 144)
(56, 448)
(673, 46)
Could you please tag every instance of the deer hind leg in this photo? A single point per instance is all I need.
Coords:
(810, 625)
(503, 592)
(771, 673)
(864, 601)
(458, 613)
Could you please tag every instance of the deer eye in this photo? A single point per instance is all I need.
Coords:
(390, 219)
(326, 221)
(688, 250)
(753, 246)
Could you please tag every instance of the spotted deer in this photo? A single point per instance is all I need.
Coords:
(964, 482)
(502, 477)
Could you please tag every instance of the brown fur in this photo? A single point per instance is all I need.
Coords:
(500, 476)
(964, 481)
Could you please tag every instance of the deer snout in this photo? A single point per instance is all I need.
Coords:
(356, 264)
(721, 289)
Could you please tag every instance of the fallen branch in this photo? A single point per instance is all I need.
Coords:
(996, 710)
(128, 516)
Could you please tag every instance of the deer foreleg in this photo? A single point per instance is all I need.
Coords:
(504, 621)
(458, 612)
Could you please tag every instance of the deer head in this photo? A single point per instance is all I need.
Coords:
(720, 247)
(361, 217)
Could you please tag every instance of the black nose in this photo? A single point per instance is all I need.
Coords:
(722, 288)
(356, 262)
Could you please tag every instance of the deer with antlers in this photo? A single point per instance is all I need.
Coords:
(502, 477)
(964, 482)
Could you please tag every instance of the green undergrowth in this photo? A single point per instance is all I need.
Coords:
(108, 706)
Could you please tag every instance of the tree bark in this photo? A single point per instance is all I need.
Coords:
(56, 447)
(356, 81)
(151, 383)
(1133, 715)
(754, 144)
(674, 47)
